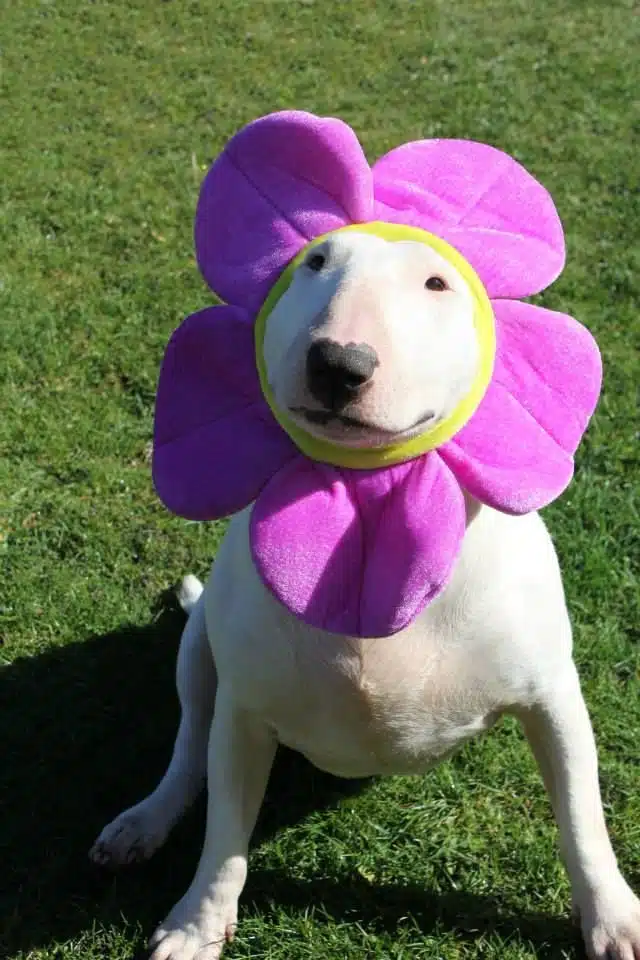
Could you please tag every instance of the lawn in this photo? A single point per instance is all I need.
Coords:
(111, 111)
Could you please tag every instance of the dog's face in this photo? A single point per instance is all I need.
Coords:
(373, 342)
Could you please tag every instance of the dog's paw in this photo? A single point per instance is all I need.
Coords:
(196, 929)
(610, 922)
(132, 837)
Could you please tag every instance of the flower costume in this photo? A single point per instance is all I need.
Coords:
(358, 542)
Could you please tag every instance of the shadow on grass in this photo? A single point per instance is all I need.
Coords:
(87, 730)
(383, 907)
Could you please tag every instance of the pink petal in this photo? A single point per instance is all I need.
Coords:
(358, 552)
(482, 202)
(280, 182)
(516, 453)
(216, 443)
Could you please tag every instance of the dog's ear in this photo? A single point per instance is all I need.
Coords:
(279, 183)
(481, 201)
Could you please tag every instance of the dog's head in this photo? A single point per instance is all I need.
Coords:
(373, 342)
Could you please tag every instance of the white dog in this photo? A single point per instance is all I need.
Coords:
(497, 640)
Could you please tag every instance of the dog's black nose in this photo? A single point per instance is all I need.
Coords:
(336, 373)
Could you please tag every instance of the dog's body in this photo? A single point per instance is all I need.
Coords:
(361, 707)
(497, 640)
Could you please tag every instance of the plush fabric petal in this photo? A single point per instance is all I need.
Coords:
(358, 552)
(516, 453)
(280, 182)
(216, 443)
(483, 203)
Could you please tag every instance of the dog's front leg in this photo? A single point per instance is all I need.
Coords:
(561, 736)
(241, 752)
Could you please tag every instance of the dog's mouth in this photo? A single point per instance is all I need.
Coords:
(346, 427)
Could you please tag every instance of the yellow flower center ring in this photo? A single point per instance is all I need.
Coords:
(370, 458)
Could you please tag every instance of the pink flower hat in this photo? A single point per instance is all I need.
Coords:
(359, 541)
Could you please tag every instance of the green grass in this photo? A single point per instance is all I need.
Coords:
(111, 112)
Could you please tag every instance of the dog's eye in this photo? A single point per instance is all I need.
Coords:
(316, 262)
(436, 283)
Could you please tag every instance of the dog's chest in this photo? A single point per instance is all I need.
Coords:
(397, 704)
(385, 708)
(358, 708)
